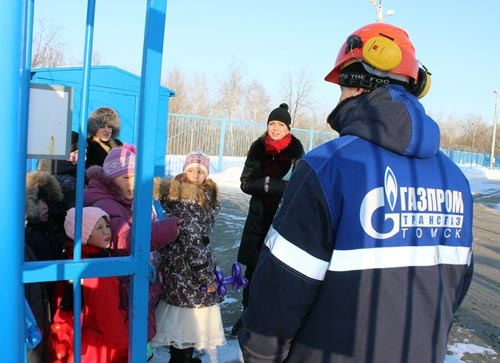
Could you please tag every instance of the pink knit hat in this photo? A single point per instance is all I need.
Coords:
(197, 159)
(120, 161)
(90, 217)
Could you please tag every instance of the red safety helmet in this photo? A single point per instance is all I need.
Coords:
(384, 47)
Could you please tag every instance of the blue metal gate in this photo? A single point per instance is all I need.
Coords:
(16, 18)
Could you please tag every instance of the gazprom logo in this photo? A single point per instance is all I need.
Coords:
(390, 209)
(374, 200)
(391, 188)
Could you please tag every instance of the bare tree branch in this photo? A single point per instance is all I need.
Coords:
(475, 134)
(198, 97)
(297, 91)
(231, 91)
(47, 48)
(176, 81)
(257, 102)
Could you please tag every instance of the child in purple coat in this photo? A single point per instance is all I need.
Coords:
(111, 188)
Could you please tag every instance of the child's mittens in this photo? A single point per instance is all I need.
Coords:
(165, 231)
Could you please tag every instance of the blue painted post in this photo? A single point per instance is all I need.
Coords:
(13, 93)
(222, 139)
(77, 253)
(141, 227)
(27, 46)
(87, 60)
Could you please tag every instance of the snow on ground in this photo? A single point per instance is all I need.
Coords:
(482, 181)
(485, 185)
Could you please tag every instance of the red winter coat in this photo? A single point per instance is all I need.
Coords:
(104, 323)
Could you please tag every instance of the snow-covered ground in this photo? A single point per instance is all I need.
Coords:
(482, 180)
(485, 185)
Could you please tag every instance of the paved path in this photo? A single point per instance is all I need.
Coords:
(478, 319)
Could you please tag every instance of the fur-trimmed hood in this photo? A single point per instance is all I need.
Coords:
(189, 263)
(176, 189)
(41, 185)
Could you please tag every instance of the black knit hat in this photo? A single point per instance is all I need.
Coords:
(281, 114)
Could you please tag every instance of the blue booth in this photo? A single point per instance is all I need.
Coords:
(114, 87)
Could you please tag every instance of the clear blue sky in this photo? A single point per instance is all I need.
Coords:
(458, 41)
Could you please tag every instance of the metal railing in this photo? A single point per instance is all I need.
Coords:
(470, 159)
(225, 141)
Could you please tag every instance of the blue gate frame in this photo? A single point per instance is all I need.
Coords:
(17, 19)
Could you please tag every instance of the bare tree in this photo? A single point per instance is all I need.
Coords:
(231, 91)
(176, 82)
(198, 102)
(475, 135)
(297, 91)
(317, 121)
(257, 102)
(450, 132)
(47, 47)
(96, 58)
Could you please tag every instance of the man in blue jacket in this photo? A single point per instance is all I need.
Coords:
(370, 252)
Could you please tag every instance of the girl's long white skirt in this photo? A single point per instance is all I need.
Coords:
(199, 328)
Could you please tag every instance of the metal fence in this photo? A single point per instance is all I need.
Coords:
(225, 141)
(470, 159)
